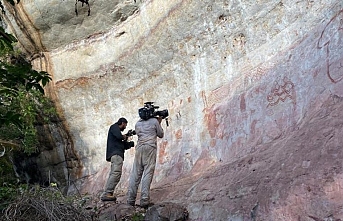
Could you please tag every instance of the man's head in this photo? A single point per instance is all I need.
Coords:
(122, 122)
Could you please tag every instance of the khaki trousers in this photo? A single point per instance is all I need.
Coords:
(115, 173)
(143, 170)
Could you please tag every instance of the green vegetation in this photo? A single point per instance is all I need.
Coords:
(138, 217)
(37, 203)
(7, 195)
(21, 97)
(22, 105)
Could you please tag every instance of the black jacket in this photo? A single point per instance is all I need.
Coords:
(115, 143)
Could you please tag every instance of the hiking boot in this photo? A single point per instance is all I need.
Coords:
(108, 197)
(146, 205)
(131, 203)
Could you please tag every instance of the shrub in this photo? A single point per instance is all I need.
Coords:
(37, 203)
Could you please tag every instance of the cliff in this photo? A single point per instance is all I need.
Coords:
(253, 89)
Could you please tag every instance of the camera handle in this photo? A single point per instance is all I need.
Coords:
(167, 122)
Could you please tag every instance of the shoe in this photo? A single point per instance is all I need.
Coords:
(108, 197)
(146, 206)
(131, 203)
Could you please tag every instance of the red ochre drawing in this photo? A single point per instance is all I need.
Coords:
(329, 39)
(280, 92)
(257, 74)
(220, 94)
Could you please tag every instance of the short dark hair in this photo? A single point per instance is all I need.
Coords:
(121, 120)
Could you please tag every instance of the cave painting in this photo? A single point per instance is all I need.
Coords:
(280, 92)
(331, 41)
(253, 76)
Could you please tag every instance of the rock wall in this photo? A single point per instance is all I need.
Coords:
(234, 75)
(295, 177)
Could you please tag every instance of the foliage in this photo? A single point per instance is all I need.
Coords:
(8, 192)
(28, 105)
(21, 96)
(37, 203)
(22, 107)
(7, 175)
(17, 82)
(22, 100)
(138, 217)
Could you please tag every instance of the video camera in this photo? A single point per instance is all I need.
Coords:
(149, 111)
(130, 133)
(128, 144)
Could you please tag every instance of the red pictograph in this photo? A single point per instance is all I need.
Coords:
(331, 41)
(280, 92)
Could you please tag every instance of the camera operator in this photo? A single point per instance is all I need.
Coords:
(116, 146)
(145, 159)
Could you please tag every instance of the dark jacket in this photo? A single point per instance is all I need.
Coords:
(115, 143)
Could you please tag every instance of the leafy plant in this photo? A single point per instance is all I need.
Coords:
(22, 102)
(37, 203)
(21, 96)
(138, 217)
(7, 194)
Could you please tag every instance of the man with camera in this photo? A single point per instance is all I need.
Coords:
(116, 145)
(148, 128)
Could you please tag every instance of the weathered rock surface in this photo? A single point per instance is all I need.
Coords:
(294, 177)
(159, 212)
(253, 89)
(46, 25)
(166, 212)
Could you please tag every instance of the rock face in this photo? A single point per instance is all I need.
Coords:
(166, 211)
(294, 177)
(253, 89)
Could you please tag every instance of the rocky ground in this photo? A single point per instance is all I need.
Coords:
(119, 210)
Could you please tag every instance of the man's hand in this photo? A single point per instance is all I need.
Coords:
(159, 118)
(124, 136)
